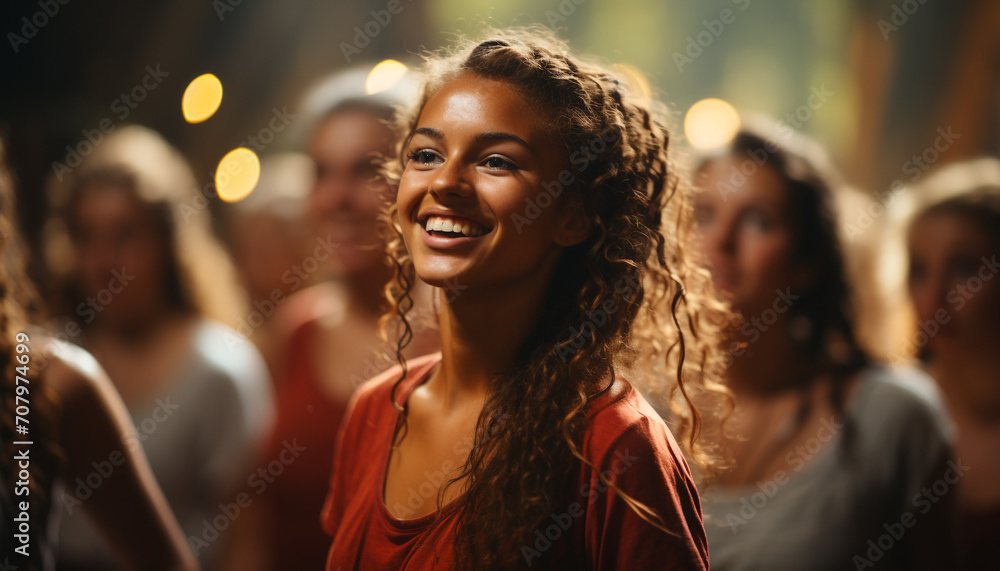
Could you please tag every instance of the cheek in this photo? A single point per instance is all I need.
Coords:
(982, 307)
(410, 190)
(146, 258)
(765, 255)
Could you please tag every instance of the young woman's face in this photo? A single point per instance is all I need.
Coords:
(746, 233)
(120, 255)
(478, 158)
(954, 285)
(346, 198)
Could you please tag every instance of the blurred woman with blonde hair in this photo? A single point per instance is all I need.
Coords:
(60, 418)
(148, 288)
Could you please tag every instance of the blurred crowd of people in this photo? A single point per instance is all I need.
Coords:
(864, 429)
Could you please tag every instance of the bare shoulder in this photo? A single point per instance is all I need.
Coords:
(73, 374)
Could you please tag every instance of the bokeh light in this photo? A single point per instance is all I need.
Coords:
(635, 79)
(237, 174)
(201, 98)
(385, 75)
(711, 123)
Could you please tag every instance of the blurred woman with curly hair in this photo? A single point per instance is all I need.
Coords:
(536, 192)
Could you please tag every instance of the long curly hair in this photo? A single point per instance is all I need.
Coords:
(18, 305)
(665, 328)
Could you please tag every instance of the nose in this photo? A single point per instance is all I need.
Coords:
(928, 296)
(450, 180)
(720, 240)
(331, 194)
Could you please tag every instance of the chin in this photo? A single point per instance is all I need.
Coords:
(441, 273)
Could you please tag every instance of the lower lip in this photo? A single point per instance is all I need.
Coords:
(441, 243)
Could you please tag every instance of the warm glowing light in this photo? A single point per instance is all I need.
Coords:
(201, 98)
(711, 123)
(385, 75)
(237, 174)
(635, 79)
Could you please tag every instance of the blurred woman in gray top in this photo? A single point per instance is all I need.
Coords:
(834, 462)
(149, 291)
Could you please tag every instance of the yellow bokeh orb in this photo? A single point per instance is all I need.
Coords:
(711, 123)
(237, 174)
(385, 75)
(202, 98)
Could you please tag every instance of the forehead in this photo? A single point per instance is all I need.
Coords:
(948, 231)
(347, 133)
(475, 103)
(739, 179)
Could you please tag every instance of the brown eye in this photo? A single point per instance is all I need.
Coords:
(423, 157)
(703, 214)
(499, 163)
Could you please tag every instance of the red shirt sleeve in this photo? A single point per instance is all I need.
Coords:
(644, 462)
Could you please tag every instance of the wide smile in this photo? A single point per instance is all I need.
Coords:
(444, 232)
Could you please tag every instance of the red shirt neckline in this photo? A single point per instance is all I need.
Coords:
(421, 375)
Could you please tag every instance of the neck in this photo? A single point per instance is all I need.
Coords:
(137, 328)
(770, 364)
(971, 386)
(481, 332)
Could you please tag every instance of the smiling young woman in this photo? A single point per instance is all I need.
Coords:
(522, 443)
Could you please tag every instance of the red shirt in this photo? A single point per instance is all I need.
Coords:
(307, 419)
(625, 439)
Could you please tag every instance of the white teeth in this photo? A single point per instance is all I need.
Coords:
(447, 225)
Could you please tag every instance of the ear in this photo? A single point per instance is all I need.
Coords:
(573, 225)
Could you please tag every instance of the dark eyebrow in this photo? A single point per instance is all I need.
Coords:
(429, 131)
(487, 137)
(492, 136)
